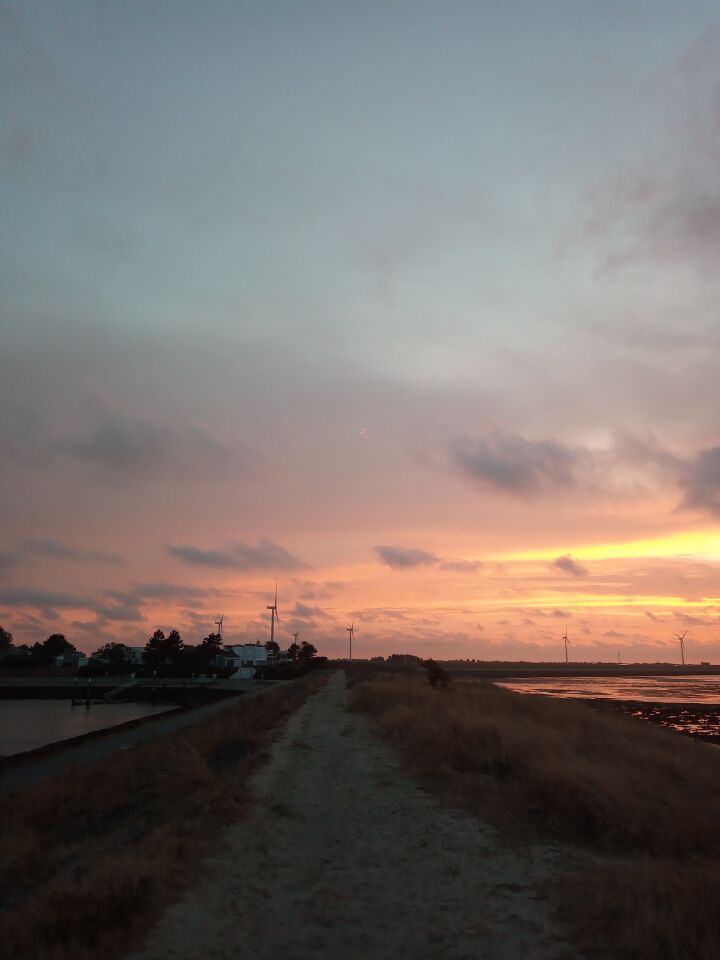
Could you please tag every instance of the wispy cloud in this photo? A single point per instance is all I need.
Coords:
(62, 551)
(404, 558)
(509, 463)
(568, 565)
(265, 555)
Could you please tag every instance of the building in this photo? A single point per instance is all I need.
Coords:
(245, 658)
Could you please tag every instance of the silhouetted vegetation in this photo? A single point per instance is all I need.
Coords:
(436, 675)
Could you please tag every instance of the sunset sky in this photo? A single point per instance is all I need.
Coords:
(413, 306)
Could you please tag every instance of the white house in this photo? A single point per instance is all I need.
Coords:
(245, 657)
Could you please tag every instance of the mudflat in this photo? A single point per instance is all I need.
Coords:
(343, 855)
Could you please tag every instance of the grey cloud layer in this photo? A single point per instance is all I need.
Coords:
(510, 463)
(38, 547)
(265, 555)
(568, 565)
(403, 558)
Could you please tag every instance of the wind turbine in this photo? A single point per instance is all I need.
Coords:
(219, 623)
(273, 616)
(681, 638)
(350, 630)
(297, 649)
(567, 641)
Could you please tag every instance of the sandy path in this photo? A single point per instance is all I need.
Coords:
(344, 857)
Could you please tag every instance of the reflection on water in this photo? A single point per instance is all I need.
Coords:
(688, 704)
(28, 724)
(702, 689)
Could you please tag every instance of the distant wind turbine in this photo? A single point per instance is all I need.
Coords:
(350, 630)
(219, 624)
(273, 616)
(566, 639)
(681, 638)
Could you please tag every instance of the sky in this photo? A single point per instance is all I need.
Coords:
(411, 306)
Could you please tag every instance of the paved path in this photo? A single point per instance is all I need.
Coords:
(343, 856)
(24, 775)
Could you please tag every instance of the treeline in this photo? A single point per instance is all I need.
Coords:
(163, 654)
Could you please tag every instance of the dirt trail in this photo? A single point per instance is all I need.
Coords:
(343, 856)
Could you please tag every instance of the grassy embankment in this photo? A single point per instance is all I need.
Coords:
(88, 859)
(642, 801)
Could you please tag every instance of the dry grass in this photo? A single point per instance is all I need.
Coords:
(89, 858)
(643, 799)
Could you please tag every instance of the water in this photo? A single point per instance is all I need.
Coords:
(702, 689)
(28, 724)
(688, 704)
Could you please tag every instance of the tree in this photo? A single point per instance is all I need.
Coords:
(272, 646)
(161, 650)
(55, 646)
(307, 651)
(154, 650)
(114, 653)
(437, 676)
(6, 640)
(210, 647)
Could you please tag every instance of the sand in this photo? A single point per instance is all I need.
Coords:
(344, 856)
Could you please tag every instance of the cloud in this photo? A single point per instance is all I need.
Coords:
(568, 565)
(514, 465)
(403, 558)
(62, 551)
(700, 481)
(265, 555)
(460, 565)
(303, 610)
(44, 599)
(120, 443)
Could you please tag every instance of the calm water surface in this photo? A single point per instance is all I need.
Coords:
(701, 689)
(28, 724)
(688, 704)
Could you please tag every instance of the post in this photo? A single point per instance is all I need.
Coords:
(74, 692)
(87, 699)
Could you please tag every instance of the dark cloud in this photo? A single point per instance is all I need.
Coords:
(119, 606)
(460, 566)
(568, 565)
(265, 555)
(62, 551)
(44, 599)
(403, 558)
(120, 443)
(160, 590)
(652, 616)
(700, 481)
(306, 611)
(509, 463)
